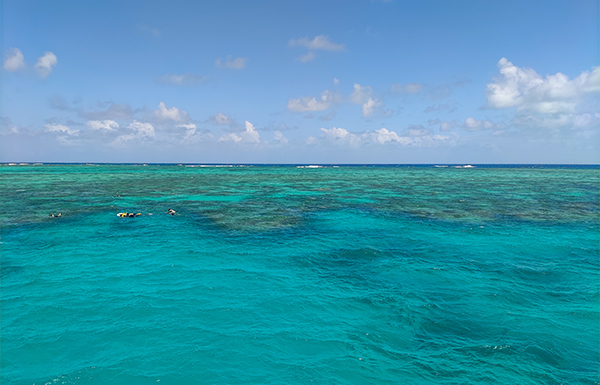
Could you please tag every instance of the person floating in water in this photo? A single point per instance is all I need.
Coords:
(128, 215)
(171, 212)
(56, 215)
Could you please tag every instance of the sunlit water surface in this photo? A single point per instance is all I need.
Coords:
(285, 275)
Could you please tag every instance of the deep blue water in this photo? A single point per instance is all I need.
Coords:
(286, 275)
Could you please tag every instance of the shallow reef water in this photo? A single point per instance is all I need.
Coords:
(287, 275)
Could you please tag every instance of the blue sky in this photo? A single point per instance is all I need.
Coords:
(300, 81)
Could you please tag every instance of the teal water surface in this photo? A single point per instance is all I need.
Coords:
(285, 275)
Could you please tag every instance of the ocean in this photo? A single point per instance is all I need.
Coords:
(296, 275)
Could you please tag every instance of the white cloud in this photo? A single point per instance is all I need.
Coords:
(307, 104)
(370, 106)
(190, 132)
(472, 124)
(249, 135)
(236, 64)
(14, 60)
(221, 119)
(279, 137)
(109, 125)
(320, 42)
(182, 80)
(528, 91)
(341, 136)
(362, 95)
(336, 81)
(172, 113)
(54, 127)
(45, 64)
(232, 137)
(383, 135)
(140, 130)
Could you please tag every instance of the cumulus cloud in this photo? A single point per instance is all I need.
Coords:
(45, 64)
(139, 131)
(249, 135)
(415, 136)
(370, 106)
(108, 125)
(220, 119)
(279, 137)
(383, 135)
(14, 60)
(362, 95)
(341, 136)
(142, 129)
(232, 137)
(307, 104)
(472, 124)
(173, 113)
(525, 89)
(59, 128)
(320, 42)
(191, 135)
(236, 64)
(182, 80)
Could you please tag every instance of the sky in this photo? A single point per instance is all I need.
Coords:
(258, 81)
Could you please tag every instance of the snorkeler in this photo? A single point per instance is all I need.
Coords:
(171, 212)
(56, 215)
(128, 215)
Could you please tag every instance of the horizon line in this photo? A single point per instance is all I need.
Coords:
(23, 163)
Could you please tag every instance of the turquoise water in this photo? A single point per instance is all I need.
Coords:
(284, 275)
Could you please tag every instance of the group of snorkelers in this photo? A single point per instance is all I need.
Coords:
(132, 215)
(123, 215)
(128, 215)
